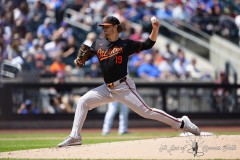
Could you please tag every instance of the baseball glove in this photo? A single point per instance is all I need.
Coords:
(84, 54)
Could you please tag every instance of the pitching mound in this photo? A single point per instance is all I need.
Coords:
(185, 147)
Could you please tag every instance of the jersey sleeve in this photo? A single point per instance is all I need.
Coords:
(137, 46)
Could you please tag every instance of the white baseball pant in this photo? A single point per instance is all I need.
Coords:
(125, 93)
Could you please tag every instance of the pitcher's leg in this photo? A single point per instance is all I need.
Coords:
(79, 118)
(123, 119)
(94, 98)
(109, 117)
(129, 96)
(138, 105)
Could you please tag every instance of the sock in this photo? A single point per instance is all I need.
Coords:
(182, 125)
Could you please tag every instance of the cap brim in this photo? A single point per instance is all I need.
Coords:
(105, 24)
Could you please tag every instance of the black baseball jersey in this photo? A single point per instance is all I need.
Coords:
(113, 56)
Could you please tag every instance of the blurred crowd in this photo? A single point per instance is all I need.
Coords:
(49, 101)
(33, 33)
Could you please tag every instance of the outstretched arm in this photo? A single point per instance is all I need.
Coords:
(137, 46)
(155, 28)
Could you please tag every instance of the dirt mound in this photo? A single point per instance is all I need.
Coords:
(189, 147)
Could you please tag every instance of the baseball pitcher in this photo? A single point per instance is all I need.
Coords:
(113, 54)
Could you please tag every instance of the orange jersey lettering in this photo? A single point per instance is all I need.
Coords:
(108, 53)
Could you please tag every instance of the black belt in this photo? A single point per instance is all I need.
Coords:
(113, 84)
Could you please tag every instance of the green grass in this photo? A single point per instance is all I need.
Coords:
(16, 141)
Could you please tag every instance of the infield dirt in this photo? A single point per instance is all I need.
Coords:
(209, 147)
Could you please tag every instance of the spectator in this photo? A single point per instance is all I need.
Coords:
(36, 50)
(57, 66)
(56, 6)
(164, 12)
(35, 58)
(13, 50)
(29, 63)
(198, 21)
(20, 14)
(28, 40)
(178, 12)
(70, 51)
(146, 27)
(133, 11)
(192, 70)
(7, 16)
(27, 108)
(169, 53)
(136, 35)
(166, 68)
(56, 105)
(65, 31)
(37, 15)
(147, 70)
(157, 58)
(54, 48)
(135, 61)
(180, 64)
(46, 29)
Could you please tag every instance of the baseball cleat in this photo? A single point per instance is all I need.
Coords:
(105, 133)
(123, 133)
(69, 141)
(190, 127)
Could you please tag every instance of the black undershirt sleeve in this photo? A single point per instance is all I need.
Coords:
(147, 44)
(137, 46)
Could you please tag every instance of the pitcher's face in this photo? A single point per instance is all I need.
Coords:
(108, 30)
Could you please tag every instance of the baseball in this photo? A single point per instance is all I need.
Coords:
(153, 18)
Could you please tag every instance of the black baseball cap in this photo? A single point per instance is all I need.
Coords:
(110, 20)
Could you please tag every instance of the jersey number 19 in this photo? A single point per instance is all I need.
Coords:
(118, 59)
